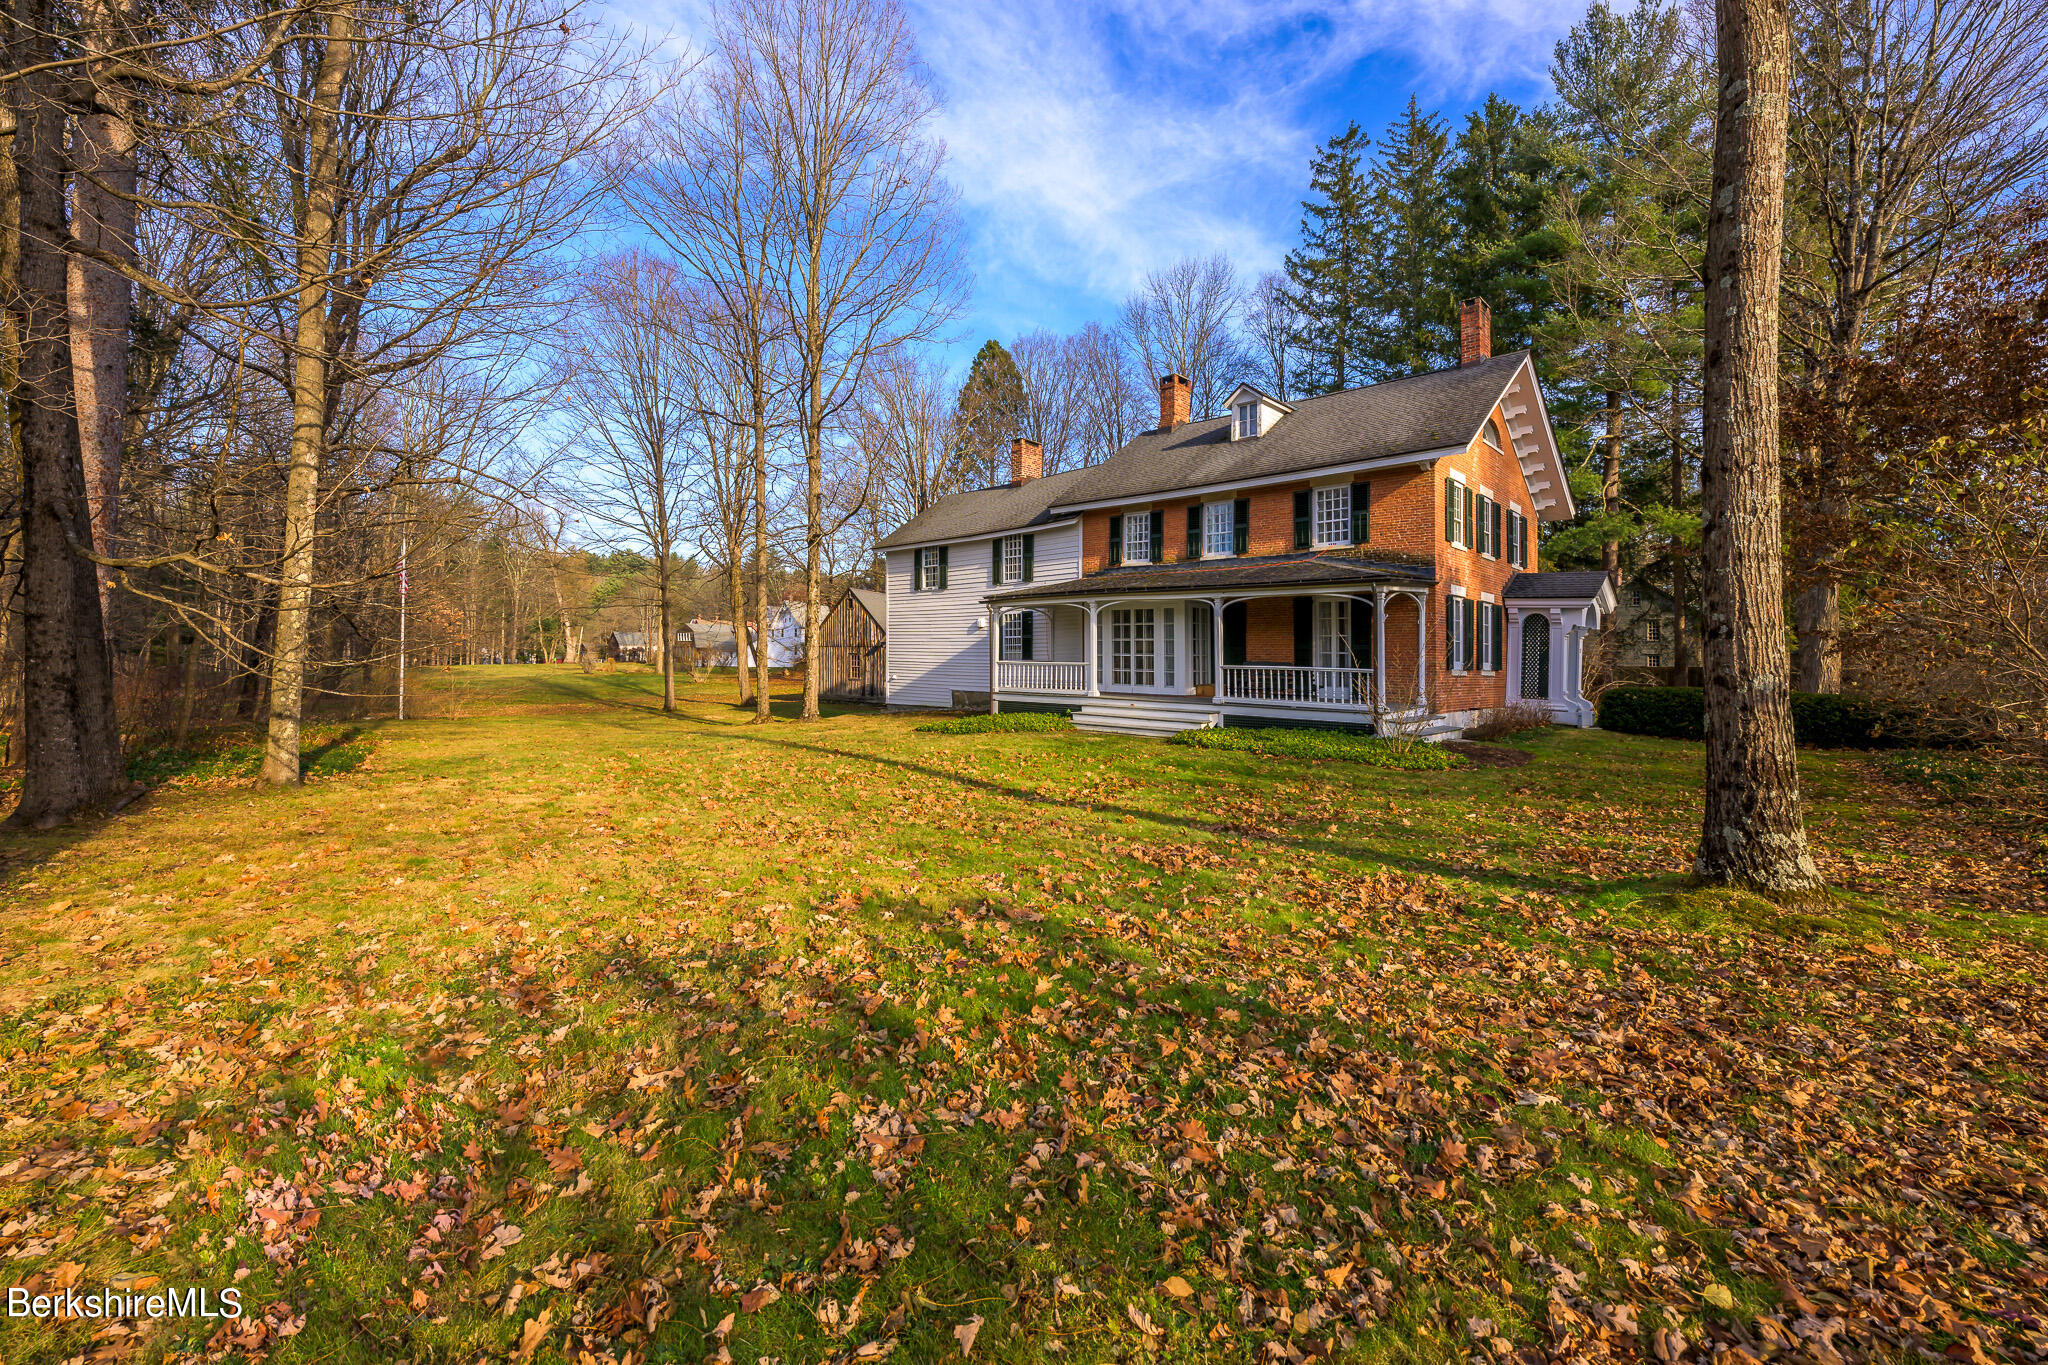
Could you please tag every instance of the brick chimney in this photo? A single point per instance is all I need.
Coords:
(1175, 400)
(1027, 459)
(1475, 332)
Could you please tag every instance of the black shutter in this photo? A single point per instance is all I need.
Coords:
(1241, 529)
(1361, 633)
(995, 563)
(1451, 505)
(1500, 636)
(1194, 530)
(1361, 512)
(1233, 633)
(1304, 632)
(1496, 528)
(1116, 541)
(1450, 632)
(917, 570)
(1471, 530)
(1159, 535)
(1024, 636)
(1471, 632)
(1028, 542)
(1303, 531)
(944, 557)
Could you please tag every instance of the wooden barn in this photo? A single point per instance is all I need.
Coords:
(852, 652)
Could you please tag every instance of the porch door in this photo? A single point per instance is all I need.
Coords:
(1333, 633)
(1535, 657)
(1132, 639)
(1201, 644)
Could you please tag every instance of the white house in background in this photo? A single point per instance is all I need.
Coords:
(785, 637)
(943, 563)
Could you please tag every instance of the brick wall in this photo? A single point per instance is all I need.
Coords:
(1498, 475)
(1269, 630)
(1402, 507)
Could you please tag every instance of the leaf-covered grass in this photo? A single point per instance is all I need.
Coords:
(1277, 742)
(617, 1034)
(232, 755)
(1008, 722)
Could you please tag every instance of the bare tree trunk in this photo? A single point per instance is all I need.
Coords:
(309, 403)
(1681, 656)
(1817, 620)
(73, 738)
(814, 535)
(1751, 834)
(736, 593)
(668, 667)
(188, 687)
(103, 191)
(1610, 486)
(760, 574)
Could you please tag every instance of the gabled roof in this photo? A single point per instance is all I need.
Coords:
(1418, 415)
(1576, 585)
(984, 512)
(1255, 391)
(874, 603)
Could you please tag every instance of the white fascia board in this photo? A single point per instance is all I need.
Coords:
(1292, 476)
(1548, 446)
(983, 535)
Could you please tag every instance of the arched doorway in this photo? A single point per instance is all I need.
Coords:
(1535, 657)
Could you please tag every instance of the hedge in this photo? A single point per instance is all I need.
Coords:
(1338, 744)
(1008, 720)
(1818, 718)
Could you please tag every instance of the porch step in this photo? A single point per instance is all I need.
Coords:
(1142, 717)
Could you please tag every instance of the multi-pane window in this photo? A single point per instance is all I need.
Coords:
(1218, 529)
(1333, 515)
(1247, 421)
(1656, 630)
(928, 569)
(1457, 643)
(1333, 633)
(1131, 643)
(1013, 559)
(1166, 646)
(1137, 538)
(1017, 635)
(1457, 513)
(1487, 663)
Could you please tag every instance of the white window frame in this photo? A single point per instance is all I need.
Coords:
(1333, 633)
(1013, 559)
(1487, 663)
(1461, 648)
(1458, 540)
(1247, 420)
(1330, 511)
(1133, 647)
(1138, 537)
(1219, 530)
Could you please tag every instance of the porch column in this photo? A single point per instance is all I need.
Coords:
(1379, 646)
(1560, 649)
(1216, 647)
(1512, 665)
(1421, 653)
(1090, 647)
(995, 649)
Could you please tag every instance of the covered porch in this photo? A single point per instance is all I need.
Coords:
(1154, 659)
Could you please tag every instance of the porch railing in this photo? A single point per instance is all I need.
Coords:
(1031, 676)
(1345, 687)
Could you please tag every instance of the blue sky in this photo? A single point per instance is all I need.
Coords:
(1092, 143)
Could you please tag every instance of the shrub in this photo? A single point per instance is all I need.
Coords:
(1818, 718)
(1007, 721)
(1498, 722)
(1950, 773)
(1322, 744)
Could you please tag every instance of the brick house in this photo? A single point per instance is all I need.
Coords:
(1363, 558)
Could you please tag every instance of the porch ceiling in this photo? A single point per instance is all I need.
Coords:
(1304, 570)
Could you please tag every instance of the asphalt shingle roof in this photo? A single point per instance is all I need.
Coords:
(1268, 571)
(1575, 583)
(985, 511)
(1433, 411)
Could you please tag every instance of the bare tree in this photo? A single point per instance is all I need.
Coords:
(905, 430)
(1053, 412)
(1114, 403)
(873, 261)
(1272, 321)
(1183, 321)
(1911, 120)
(1751, 833)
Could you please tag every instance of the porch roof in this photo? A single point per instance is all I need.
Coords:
(1302, 570)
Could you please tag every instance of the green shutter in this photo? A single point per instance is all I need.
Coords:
(1450, 632)
(1241, 526)
(944, 556)
(1194, 530)
(1304, 632)
(1304, 501)
(1471, 632)
(1116, 541)
(995, 562)
(1471, 531)
(1451, 506)
(1361, 512)
(917, 570)
(1495, 534)
(1500, 637)
(1024, 637)
(1159, 535)
(1029, 543)
(1361, 632)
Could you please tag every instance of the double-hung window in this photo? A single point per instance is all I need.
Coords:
(1013, 559)
(1457, 513)
(1456, 642)
(1333, 515)
(1219, 529)
(1247, 421)
(1137, 538)
(928, 569)
(1017, 634)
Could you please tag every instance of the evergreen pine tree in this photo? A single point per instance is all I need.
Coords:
(1408, 277)
(989, 412)
(1326, 273)
(1500, 182)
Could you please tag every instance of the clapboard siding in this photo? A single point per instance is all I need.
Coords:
(938, 641)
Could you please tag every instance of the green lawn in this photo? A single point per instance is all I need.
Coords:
(551, 1027)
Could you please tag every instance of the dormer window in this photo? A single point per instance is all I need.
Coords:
(1253, 412)
(1247, 421)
